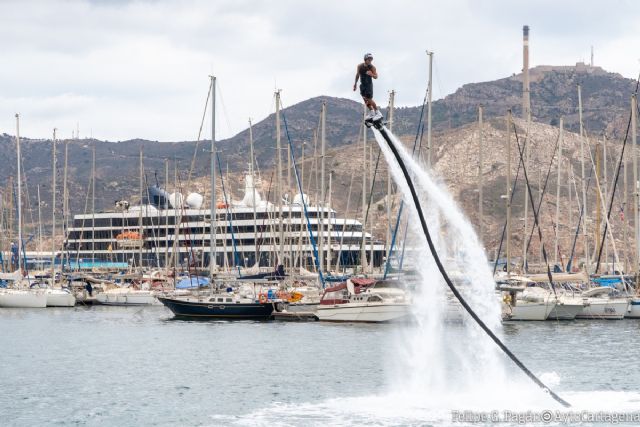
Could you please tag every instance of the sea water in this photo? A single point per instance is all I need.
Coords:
(121, 366)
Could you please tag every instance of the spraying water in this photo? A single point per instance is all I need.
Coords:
(442, 362)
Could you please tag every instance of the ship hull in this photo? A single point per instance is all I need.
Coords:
(215, 310)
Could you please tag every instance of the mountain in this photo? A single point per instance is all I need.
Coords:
(605, 97)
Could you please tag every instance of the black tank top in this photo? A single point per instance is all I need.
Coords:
(365, 79)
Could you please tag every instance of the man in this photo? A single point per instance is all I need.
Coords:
(366, 72)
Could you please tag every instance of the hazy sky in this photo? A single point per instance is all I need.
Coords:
(127, 69)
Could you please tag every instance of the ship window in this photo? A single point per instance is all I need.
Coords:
(229, 300)
(375, 298)
(220, 299)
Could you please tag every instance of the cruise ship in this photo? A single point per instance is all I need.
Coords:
(173, 230)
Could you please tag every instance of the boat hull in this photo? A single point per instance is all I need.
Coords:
(216, 310)
(607, 309)
(531, 311)
(23, 299)
(565, 311)
(633, 312)
(363, 312)
(58, 298)
(125, 299)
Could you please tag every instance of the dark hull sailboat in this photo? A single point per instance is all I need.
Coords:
(212, 309)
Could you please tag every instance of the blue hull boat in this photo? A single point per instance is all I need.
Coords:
(212, 309)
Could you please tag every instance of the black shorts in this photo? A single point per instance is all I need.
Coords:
(366, 91)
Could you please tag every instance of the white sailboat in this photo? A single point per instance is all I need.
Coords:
(126, 297)
(567, 307)
(23, 298)
(59, 298)
(603, 303)
(633, 311)
(532, 303)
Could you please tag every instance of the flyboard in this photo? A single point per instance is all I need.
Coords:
(379, 126)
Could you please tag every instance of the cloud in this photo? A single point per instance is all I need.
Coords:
(128, 69)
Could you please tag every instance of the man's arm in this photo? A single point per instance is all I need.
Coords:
(357, 77)
(373, 72)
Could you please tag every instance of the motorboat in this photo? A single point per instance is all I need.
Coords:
(359, 300)
(603, 302)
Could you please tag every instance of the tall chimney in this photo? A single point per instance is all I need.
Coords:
(526, 99)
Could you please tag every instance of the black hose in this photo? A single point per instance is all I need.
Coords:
(445, 276)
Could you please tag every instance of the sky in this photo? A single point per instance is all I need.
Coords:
(140, 69)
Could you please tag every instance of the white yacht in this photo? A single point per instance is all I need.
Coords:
(358, 300)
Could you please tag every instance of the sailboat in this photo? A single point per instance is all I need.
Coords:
(20, 295)
(603, 302)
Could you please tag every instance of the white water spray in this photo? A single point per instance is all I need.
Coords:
(447, 364)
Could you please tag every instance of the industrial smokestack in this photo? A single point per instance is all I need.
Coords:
(526, 99)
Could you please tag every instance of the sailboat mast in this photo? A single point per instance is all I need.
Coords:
(480, 176)
(166, 214)
(526, 115)
(625, 204)
(329, 227)
(279, 183)
(429, 91)
(93, 203)
(53, 207)
(604, 189)
(65, 205)
(584, 187)
(636, 194)
(392, 99)
(140, 224)
(598, 224)
(39, 222)
(321, 222)
(509, 193)
(214, 217)
(253, 180)
(19, 201)
(558, 185)
(363, 250)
